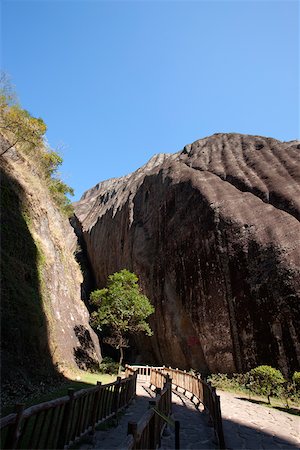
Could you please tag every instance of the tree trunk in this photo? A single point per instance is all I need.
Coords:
(121, 359)
(6, 150)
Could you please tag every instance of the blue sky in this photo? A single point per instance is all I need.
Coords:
(117, 82)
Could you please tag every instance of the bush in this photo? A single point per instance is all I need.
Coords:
(234, 382)
(267, 381)
(296, 380)
(51, 160)
(108, 365)
(287, 390)
(292, 389)
(59, 191)
(20, 128)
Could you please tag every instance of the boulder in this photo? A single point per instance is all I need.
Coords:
(213, 234)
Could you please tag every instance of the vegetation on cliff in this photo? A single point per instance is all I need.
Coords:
(44, 324)
(27, 133)
(25, 354)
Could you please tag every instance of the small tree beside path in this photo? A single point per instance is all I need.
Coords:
(122, 310)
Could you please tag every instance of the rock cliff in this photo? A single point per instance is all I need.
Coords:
(213, 234)
(44, 322)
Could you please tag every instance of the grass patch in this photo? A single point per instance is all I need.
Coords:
(86, 381)
(275, 404)
(237, 384)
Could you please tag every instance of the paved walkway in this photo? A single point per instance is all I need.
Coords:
(248, 425)
(194, 431)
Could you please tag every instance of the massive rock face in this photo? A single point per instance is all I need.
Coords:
(213, 234)
(44, 322)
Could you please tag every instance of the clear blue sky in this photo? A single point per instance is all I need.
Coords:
(117, 82)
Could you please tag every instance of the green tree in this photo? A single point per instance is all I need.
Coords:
(16, 124)
(296, 380)
(122, 310)
(265, 380)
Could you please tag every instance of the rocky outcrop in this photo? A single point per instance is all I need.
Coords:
(213, 234)
(44, 322)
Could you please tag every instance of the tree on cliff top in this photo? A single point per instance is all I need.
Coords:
(17, 124)
(122, 310)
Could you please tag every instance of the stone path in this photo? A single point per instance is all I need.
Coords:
(194, 431)
(252, 426)
(114, 437)
(246, 425)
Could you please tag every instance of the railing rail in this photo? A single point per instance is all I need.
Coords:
(204, 393)
(144, 372)
(63, 421)
(146, 434)
(201, 391)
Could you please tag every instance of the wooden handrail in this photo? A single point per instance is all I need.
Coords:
(201, 391)
(204, 393)
(63, 421)
(146, 434)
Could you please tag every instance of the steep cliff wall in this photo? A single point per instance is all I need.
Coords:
(44, 323)
(213, 233)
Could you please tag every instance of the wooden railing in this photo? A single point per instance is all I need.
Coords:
(63, 421)
(146, 434)
(202, 392)
(143, 372)
(157, 377)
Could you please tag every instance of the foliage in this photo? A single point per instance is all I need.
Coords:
(234, 382)
(17, 124)
(109, 366)
(296, 380)
(292, 389)
(51, 161)
(286, 390)
(59, 191)
(28, 132)
(265, 380)
(7, 92)
(121, 309)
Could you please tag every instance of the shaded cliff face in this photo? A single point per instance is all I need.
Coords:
(44, 322)
(213, 233)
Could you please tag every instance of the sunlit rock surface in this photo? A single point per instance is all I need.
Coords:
(213, 233)
(44, 322)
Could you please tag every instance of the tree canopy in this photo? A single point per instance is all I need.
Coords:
(19, 128)
(17, 124)
(121, 309)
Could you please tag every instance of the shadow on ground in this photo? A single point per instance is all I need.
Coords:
(293, 411)
(195, 432)
(239, 436)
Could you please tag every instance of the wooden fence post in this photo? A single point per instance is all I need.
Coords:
(134, 386)
(153, 429)
(65, 423)
(14, 433)
(132, 429)
(177, 435)
(95, 407)
(116, 397)
(169, 380)
(220, 425)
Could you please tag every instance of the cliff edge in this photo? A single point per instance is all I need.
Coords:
(44, 323)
